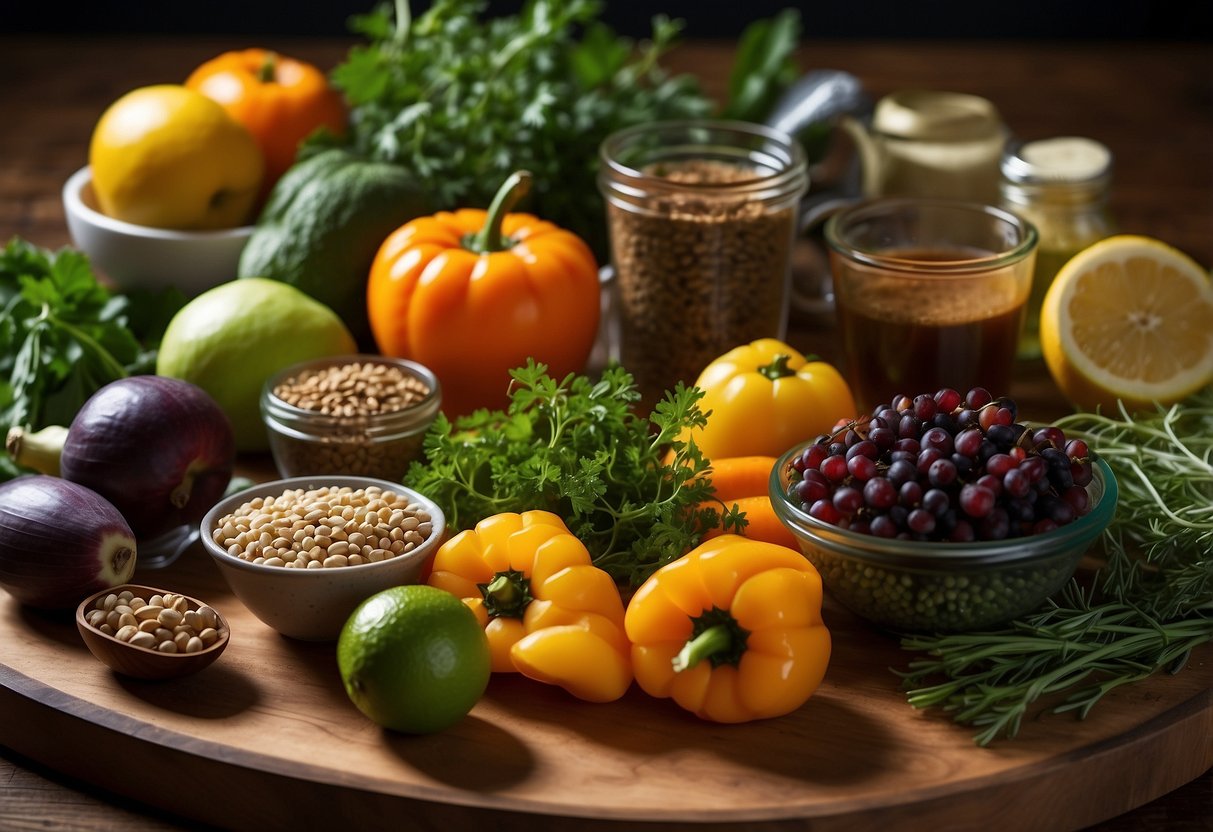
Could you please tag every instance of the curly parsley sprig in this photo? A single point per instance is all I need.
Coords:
(575, 447)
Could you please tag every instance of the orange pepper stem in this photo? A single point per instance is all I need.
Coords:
(716, 636)
(489, 238)
(777, 368)
(507, 595)
(268, 71)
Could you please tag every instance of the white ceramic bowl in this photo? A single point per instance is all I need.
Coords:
(139, 257)
(314, 604)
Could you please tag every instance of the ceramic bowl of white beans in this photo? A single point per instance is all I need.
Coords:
(302, 553)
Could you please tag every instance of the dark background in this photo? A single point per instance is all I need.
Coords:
(896, 19)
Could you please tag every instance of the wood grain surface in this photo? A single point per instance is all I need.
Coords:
(271, 719)
(1152, 105)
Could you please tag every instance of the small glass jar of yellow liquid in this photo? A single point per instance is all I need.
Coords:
(1061, 186)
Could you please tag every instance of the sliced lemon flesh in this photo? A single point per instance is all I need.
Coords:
(1129, 318)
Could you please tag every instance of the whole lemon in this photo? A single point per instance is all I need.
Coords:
(169, 157)
(414, 659)
(231, 339)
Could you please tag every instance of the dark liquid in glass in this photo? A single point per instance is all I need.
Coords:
(916, 336)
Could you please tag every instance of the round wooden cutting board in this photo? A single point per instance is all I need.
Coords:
(266, 738)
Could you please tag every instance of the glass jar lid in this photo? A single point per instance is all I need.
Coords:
(1062, 160)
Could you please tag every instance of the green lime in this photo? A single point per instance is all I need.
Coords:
(414, 659)
(230, 339)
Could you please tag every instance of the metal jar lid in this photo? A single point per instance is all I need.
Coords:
(929, 115)
(1062, 160)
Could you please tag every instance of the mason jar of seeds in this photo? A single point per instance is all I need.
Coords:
(702, 216)
(360, 415)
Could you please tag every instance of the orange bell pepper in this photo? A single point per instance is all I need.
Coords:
(732, 631)
(548, 613)
(278, 99)
(473, 294)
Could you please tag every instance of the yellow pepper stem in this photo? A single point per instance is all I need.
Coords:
(712, 641)
(507, 595)
(778, 368)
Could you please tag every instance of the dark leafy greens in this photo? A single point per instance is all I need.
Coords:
(462, 102)
(576, 448)
(63, 336)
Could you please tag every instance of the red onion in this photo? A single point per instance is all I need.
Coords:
(161, 450)
(60, 542)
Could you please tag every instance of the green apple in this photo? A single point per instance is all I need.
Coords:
(231, 339)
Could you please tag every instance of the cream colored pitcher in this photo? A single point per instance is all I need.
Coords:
(931, 144)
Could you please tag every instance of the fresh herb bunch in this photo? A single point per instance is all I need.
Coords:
(63, 336)
(1150, 604)
(576, 448)
(463, 102)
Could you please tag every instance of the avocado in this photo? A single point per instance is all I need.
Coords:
(324, 223)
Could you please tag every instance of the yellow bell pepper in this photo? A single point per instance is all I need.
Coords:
(765, 397)
(732, 631)
(548, 613)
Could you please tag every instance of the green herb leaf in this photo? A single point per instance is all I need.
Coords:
(574, 447)
(765, 66)
(463, 102)
(63, 335)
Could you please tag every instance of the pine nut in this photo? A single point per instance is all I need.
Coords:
(143, 640)
(169, 618)
(162, 627)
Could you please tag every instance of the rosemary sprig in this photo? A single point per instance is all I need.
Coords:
(1150, 604)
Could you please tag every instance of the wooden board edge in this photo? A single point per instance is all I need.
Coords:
(212, 763)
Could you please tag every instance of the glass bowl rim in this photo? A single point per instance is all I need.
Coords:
(944, 555)
(421, 412)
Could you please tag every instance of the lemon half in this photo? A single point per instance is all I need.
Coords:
(1129, 318)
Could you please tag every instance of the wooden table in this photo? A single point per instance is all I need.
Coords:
(1152, 104)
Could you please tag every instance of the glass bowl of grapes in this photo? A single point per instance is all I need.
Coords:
(943, 513)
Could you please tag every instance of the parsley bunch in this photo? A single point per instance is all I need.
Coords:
(463, 102)
(63, 336)
(576, 448)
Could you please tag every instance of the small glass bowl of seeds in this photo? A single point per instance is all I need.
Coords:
(302, 553)
(150, 633)
(359, 415)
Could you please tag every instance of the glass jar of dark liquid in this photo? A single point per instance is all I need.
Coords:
(929, 294)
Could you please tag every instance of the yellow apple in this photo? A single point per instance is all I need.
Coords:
(168, 157)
